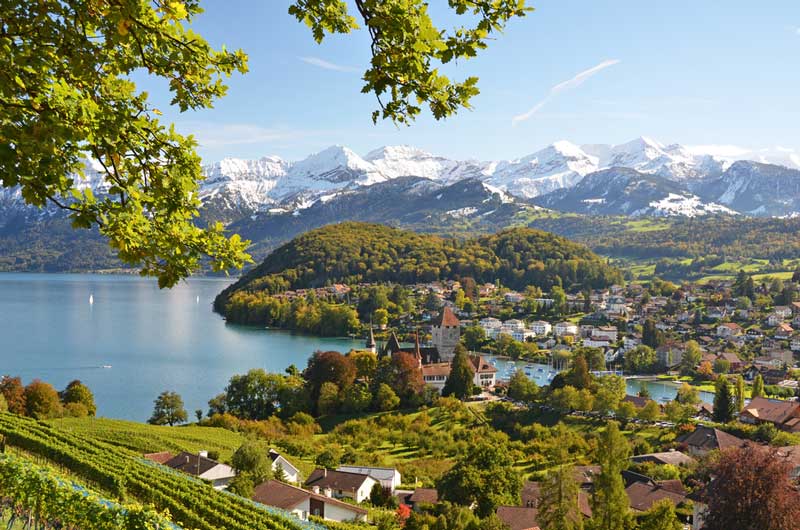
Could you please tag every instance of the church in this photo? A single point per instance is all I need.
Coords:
(434, 361)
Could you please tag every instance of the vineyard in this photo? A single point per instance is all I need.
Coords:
(121, 474)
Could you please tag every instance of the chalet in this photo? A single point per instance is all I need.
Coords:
(727, 330)
(200, 466)
(736, 364)
(783, 311)
(388, 477)
(643, 494)
(341, 484)
(705, 439)
(518, 517)
(290, 472)
(302, 503)
(774, 376)
(782, 414)
(773, 319)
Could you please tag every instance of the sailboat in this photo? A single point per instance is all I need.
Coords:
(197, 300)
(91, 299)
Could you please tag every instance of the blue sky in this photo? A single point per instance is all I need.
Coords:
(591, 71)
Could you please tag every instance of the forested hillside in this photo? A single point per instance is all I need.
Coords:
(361, 252)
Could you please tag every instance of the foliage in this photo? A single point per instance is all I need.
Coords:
(14, 392)
(610, 507)
(355, 253)
(522, 388)
(558, 502)
(459, 383)
(78, 393)
(485, 476)
(723, 402)
(258, 395)
(251, 460)
(751, 489)
(758, 387)
(312, 316)
(385, 398)
(641, 359)
(41, 400)
(168, 409)
(71, 96)
(661, 516)
(328, 367)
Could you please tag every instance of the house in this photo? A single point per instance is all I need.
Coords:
(342, 484)
(485, 374)
(159, 458)
(643, 494)
(675, 458)
(491, 326)
(302, 503)
(436, 374)
(727, 330)
(784, 356)
(774, 319)
(290, 472)
(202, 467)
(388, 477)
(513, 297)
(783, 311)
(423, 496)
(605, 332)
(784, 415)
(541, 328)
(565, 328)
(783, 331)
(794, 342)
(705, 439)
(518, 517)
(531, 491)
(669, 355)
(733, 360)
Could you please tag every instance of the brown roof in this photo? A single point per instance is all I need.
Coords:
(447, 319)
(436, 369)
(159, 458)
(518, 518)
(336, 480)
(708, 438)
(424, 496)
(286, 497)
(480, 365)
(191, 464)
(532, 490)
(643, 495)
(775, 411)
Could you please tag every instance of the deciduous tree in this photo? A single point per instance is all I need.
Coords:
(77, 392)
(41, 400)
(168, 409)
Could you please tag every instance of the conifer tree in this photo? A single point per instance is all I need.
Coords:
(723, 402)
(758, 387)
(459, 383)
(558, 502)
(610, 505)
(740, 392)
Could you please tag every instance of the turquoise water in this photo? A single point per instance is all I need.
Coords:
(660, 391)
(152, 340)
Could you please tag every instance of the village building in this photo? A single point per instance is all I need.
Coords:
(705, 439)
(302, 503)
(782, 414)
(290, 472)
(388, 477)
(446, 333)
(341, 484)
(200, 466)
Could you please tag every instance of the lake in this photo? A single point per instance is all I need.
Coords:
(152, 340)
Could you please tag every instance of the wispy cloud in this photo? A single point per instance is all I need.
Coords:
(214, 134)
(322, 63)
(569, 84)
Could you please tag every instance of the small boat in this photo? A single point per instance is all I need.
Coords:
(91, 299)
(197, 300)
(106, 366)
(540, 369)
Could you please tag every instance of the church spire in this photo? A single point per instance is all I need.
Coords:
(417, 351)
(371, 339)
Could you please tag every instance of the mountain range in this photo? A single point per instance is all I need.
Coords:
(270, 199)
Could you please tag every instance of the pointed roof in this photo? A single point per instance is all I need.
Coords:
(371, 339)
(392, 345)
(447, 319)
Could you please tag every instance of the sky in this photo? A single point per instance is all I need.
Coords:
(695, 72)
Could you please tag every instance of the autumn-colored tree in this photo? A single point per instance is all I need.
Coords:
(77, 392)
(41, 400)
(403, 375)
(14, 392)
(328, 367)
(751, 488)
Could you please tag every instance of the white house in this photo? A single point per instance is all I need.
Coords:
(388, 477)
(291, 472)
(513, 297)
(201, 466)
(563, 328)
(541, 328)
(491, 326)
(728, 329)
(302, 503)
(774, 319)
(341, 484)
(605, 332)
(783, 310)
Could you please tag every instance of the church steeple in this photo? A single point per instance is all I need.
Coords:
(417, 351)
(370, 345)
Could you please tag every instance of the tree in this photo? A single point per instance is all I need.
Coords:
(385, 398)
(357, 398)
(365, 362)
(609, 391)
(168, 410)
(578, 376)
(640, 359)
(41, 400)
(723, 402)
(381, 496)
(403, 376)
(3, 403)
(328, 367)
(595, 357)
(460, 381)
(660, 516)
(381, 317)
(71, 95)
(650, 411)
(651, 336)
(758, 387)
(328, 401)
(610, 506)
(522, 388)
(558, 500)
(739, 393)
(722, 366)
(14, 392)
(484, 476)
(251, 459)
(687, 395)
(77, 392)
(254, 395)
(559, 300)
(474, 338)
(752, 488)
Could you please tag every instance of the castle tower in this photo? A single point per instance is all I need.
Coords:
(446, 332)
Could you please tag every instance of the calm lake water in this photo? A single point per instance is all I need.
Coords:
(153, 340)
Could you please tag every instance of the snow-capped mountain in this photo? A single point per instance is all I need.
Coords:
(754, 188)
(626, 191)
